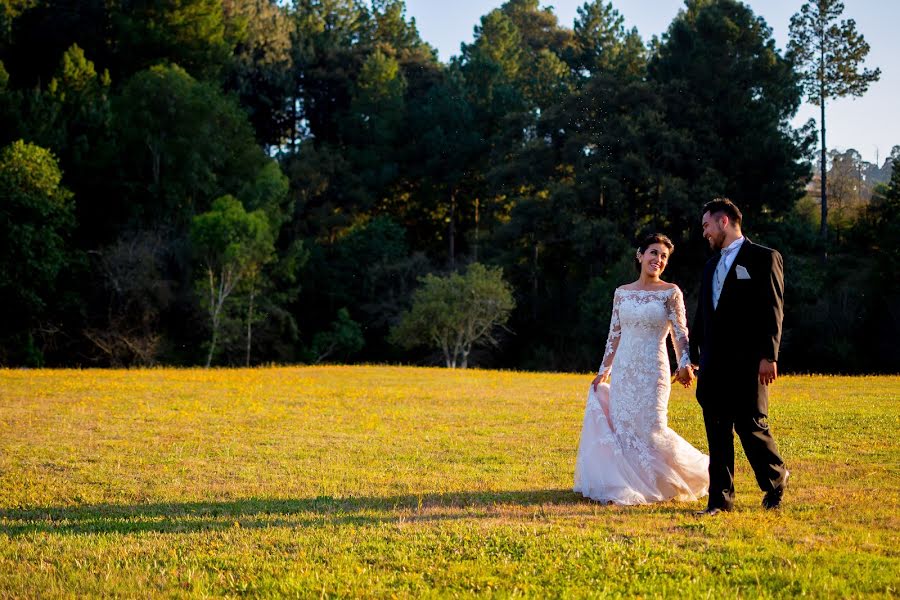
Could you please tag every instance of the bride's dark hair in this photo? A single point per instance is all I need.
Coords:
(654, 238)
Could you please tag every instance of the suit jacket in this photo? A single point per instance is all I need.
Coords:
(729, 341)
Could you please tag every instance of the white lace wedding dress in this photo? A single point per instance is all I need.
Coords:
(627, 453)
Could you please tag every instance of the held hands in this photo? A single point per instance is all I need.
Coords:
(768, 372)
(685, 376)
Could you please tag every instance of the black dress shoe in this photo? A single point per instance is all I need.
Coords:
(710, 511)
(772, 500)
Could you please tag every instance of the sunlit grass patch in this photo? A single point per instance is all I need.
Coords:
(388, 481)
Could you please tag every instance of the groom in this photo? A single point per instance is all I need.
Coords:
(735, 339)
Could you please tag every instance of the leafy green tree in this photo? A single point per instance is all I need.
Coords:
(276, 285)
(42, 30)
(390, 27)
(515, 64)
(261, 67)
(454, 313)
(543, 76)
(73, 117)
(268, 189)
(443, 153)
(491, 66)
(342, 340)
(189, 33)
(10, 110)
(68, 115)
(887, 211)
(542, 149)
(602, 45)
(82, 97)
(7, 13)
(580, 188)
(497, 41)
(258, 321)
(355, 66)
(326, 58)
(828, 54)
(36, 218)
(538, 27)
(848, 189)
(181, 143)
(369, 269)
(514, 73)
(729, 95)
(373, 123)
(273, 330)
(232, 245)
(876, 238)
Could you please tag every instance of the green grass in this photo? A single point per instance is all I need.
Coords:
(380, 481)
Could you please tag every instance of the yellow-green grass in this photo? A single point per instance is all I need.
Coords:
(382, 481)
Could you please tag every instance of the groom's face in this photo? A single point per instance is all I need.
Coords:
(714, 229)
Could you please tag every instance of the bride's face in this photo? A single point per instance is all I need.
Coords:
(654, 260)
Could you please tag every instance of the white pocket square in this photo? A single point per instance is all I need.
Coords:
(741, 272)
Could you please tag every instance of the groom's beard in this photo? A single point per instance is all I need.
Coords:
(716, 242)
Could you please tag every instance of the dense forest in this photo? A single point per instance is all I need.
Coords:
(233, 182)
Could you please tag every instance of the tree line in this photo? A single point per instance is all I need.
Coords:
(241, 182)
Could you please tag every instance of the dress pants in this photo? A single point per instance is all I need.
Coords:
(759, 446)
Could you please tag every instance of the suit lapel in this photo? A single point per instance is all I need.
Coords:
(707, 285)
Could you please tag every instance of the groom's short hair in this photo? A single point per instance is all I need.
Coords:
(723, 206)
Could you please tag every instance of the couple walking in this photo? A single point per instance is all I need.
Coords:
(627, 453)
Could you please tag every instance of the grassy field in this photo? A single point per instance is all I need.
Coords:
(380, 481)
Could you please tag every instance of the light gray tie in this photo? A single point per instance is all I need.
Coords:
(719, 276)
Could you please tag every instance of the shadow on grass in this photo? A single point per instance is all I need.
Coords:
(186, 517)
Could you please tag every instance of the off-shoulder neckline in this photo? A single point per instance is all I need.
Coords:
(660, 291)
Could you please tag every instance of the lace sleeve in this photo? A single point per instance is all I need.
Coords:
(612, 341)
(678, 326)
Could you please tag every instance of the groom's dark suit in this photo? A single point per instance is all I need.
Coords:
(728, 342)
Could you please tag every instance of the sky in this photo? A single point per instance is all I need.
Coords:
(869, 124)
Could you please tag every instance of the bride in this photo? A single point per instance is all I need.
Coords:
(627, 453)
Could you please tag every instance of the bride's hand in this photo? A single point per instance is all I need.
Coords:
(685, 376)
(603, 378)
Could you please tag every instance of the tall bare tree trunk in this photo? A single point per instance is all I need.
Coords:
(250, 322)
(214, 314)
(217, 295)
(294, 126)
(452, 228)
(534, 280)
(446, 350)
(477, 214)
(824, 192)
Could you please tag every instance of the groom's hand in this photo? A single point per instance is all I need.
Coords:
(685, 376)
(768, 372)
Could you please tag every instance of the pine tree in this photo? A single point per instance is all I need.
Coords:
(828, 53)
